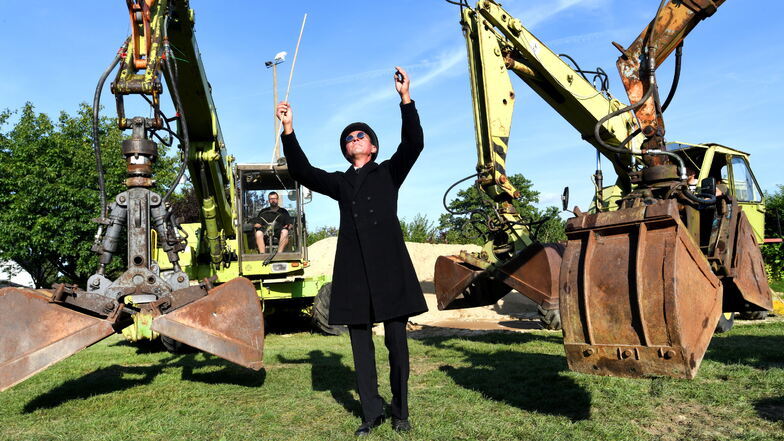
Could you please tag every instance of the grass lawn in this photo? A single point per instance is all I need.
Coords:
(485, 386)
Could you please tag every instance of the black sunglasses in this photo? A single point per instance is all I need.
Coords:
(360, 135)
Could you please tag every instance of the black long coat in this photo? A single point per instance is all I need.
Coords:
(373, 278)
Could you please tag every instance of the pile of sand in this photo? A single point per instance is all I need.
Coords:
(509, 309)
(423, 255)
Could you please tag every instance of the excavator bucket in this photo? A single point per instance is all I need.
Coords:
(227, 322)
(637, 295)
(746, 286)
(533, 273)
(36, 333)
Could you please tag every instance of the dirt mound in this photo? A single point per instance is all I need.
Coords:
(506, 314)
(423, 255)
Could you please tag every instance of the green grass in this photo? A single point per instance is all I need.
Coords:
(777, 285)
(492, 386)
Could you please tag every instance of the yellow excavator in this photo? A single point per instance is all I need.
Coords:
(218, 312)
(647, 272)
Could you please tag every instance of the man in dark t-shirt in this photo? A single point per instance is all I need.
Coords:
(277, 219)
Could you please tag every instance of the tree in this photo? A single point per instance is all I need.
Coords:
(420, 229)
(470, 227)
(774, 212)
(48, 191)
(773, 253)
(321, 233)
(185, 206)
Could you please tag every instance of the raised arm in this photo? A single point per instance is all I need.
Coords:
(411, 135)
(300, 168)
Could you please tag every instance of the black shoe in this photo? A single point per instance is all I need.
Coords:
(367, 426)
(399, 425)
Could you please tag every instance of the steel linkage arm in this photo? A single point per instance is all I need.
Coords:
(513, 48)
(637, 64)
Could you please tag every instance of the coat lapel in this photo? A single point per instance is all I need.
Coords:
(350, 175)
(363, 172)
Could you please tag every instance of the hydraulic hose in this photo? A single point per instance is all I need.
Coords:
(694, 198)
(450, 189)
(597, 128)
(185, 141)
(96, 139)
(676, 76)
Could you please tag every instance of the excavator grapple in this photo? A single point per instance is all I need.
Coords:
(637, 296)
(228, 322)
(42, 327)
(38, 333)
(461, 282)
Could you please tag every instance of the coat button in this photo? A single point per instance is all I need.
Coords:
(353, 202)
(356, 215)
(371, 211)
(375, 222)
(368, 197)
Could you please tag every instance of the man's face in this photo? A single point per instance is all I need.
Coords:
(273, 200)
(360, 145)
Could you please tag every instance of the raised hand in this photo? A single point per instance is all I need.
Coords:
(286, 116)
(401, 84)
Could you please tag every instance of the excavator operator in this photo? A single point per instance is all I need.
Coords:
(272, 219)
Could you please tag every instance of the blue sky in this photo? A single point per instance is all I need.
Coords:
(732, 77)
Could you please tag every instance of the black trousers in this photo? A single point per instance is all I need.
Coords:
(365, 365)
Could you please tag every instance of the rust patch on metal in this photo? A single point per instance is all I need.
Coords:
(37, 333)
(228, 323)
(637, 298)
(747, 285)
(533, 273)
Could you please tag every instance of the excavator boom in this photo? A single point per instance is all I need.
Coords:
(41, 327)
(641, 283)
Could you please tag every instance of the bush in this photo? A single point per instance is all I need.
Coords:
(321, 233)
(773, 255)
(420, 229)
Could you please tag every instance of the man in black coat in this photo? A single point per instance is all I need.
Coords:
(373, 278)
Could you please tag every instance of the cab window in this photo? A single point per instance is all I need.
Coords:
(746, 188)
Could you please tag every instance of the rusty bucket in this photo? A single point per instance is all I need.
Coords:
(461, 283)
(35, 334)
(227, 322)
(637, 296)
(746, 285)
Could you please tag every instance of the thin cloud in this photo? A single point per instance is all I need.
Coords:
(441, 66)
(533, 16)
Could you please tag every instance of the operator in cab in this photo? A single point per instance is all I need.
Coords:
(373, 278)
(272, 218)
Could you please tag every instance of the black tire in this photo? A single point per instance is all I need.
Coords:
(174, 346)
(320, 317)
(726, 321)
(550, 318)
(753, 315)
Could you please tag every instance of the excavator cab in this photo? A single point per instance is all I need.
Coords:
(261, 222)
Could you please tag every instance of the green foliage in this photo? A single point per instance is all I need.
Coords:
(471, 227)
(321, 233)
(774, 212)
(185, 206)
(773, 254)
(420, 229)
(48, 191)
